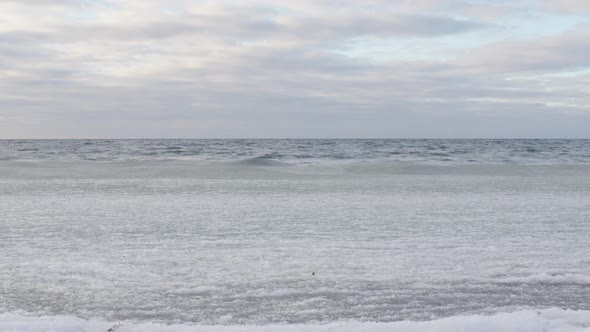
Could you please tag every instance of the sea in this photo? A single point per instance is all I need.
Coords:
(295, 235)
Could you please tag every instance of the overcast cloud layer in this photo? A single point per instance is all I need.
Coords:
(325, 68)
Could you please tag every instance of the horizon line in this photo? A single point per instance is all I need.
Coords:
(298, 138)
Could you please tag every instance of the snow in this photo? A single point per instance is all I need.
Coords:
(553, 319)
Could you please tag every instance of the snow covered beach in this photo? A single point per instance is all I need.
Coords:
(522, 321)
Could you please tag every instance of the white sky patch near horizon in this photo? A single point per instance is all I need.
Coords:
(115, 61)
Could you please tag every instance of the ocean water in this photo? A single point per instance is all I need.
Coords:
(305, 232)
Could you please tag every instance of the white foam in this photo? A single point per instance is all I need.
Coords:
(520, 321)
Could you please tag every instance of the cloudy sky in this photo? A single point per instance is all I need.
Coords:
(287, 68)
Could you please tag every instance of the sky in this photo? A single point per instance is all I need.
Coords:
(287, 68)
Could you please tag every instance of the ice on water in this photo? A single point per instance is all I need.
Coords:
(312, 232)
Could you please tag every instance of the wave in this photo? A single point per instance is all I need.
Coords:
(552, 319)
(190, 168)
(263, 160)
(426, 151)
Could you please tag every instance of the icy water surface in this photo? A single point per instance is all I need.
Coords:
(293, 231)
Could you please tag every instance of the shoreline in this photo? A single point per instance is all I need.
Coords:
(553, 319)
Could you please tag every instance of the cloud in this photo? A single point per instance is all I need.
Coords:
(568, 51)
(283, 68)
(575, 7)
